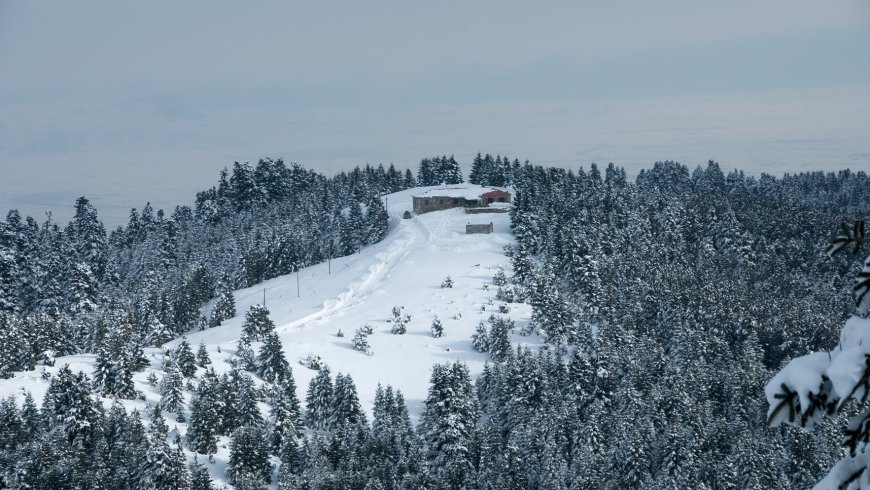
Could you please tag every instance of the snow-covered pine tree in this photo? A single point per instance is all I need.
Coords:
(199, 477)
(437, 328)
(820, 384)
(447, 282)
(202, 359)
(447, 425)
(183, 358)
(498, 341)
(172, 390)
(249, 455)
(272, 365)
(318, 400)
(205, 423)
(224, 305)
(247, 397)
(257, 323)
(376, 221)
(69, 409)
(345, 408)
(480, 338)
(159, 467)
(399, 320)
(360, 341)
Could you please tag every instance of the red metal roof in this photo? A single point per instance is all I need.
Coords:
(496, 193)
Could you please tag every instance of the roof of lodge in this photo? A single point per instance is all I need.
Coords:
(465, 192)
(496, 193)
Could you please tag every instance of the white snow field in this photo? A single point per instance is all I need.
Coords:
(405, 269)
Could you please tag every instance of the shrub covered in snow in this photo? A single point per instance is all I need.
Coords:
(437, 328)
(447, 282)
(399, 320)
(360, 340)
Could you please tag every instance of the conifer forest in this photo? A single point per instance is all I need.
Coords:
(660, 306)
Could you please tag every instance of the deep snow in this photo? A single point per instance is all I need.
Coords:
(405, 269)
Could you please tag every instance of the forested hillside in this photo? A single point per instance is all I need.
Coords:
(64, 289)
(664, 306)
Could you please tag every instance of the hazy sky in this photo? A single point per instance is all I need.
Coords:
(126, 102)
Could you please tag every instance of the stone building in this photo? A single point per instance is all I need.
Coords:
(459, 196)
(471, 229)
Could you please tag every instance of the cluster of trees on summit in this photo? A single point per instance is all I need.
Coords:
(664, 305)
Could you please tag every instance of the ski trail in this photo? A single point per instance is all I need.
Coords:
(397, 248)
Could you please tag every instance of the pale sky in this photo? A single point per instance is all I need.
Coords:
(128, 102)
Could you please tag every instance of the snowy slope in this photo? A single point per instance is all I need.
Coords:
(405, 269)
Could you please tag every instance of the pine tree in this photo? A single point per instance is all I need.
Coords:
(285, 423)
(498, 341)
(376, 220)
(272, 365)
(345, 408)
(360, 340)
(202, 359)
(247, 397)
(437, 328)
(183, 358)
(249, 455)
(172, 390)
(205, 422)
(447, 424)
(257, 323)
(480, 338)
(70, 410)
(399, 320)
(160, 463)
(225, 304)
(447, 282)
(199, 477)
(318, 400)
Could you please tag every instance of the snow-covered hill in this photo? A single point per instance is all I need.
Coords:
(405, 269)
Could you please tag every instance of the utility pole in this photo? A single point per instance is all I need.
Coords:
(298, 294)
(264, 297)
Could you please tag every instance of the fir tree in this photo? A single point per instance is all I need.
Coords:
(447, 424)
(224, 305)
(437, 328)
(249, 455)
(480, 338)
(172, 390)
(205, 422)
(202, 359)
(257, 323)
(272, 365)
(318, 400)
(360, 340)
(183, 358)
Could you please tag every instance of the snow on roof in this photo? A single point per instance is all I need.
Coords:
(463, 191)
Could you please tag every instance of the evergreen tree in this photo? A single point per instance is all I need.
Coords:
(172, 390)
(318, 400)
(498, 341)
(480, 338)
(437, 328)
(257, 323)
(199, 477)
(183, 358)
(272, 365)
(249, 455)
(345, 408)
(225, 304)
(447, 424)
(202, 359)
(205, 422)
